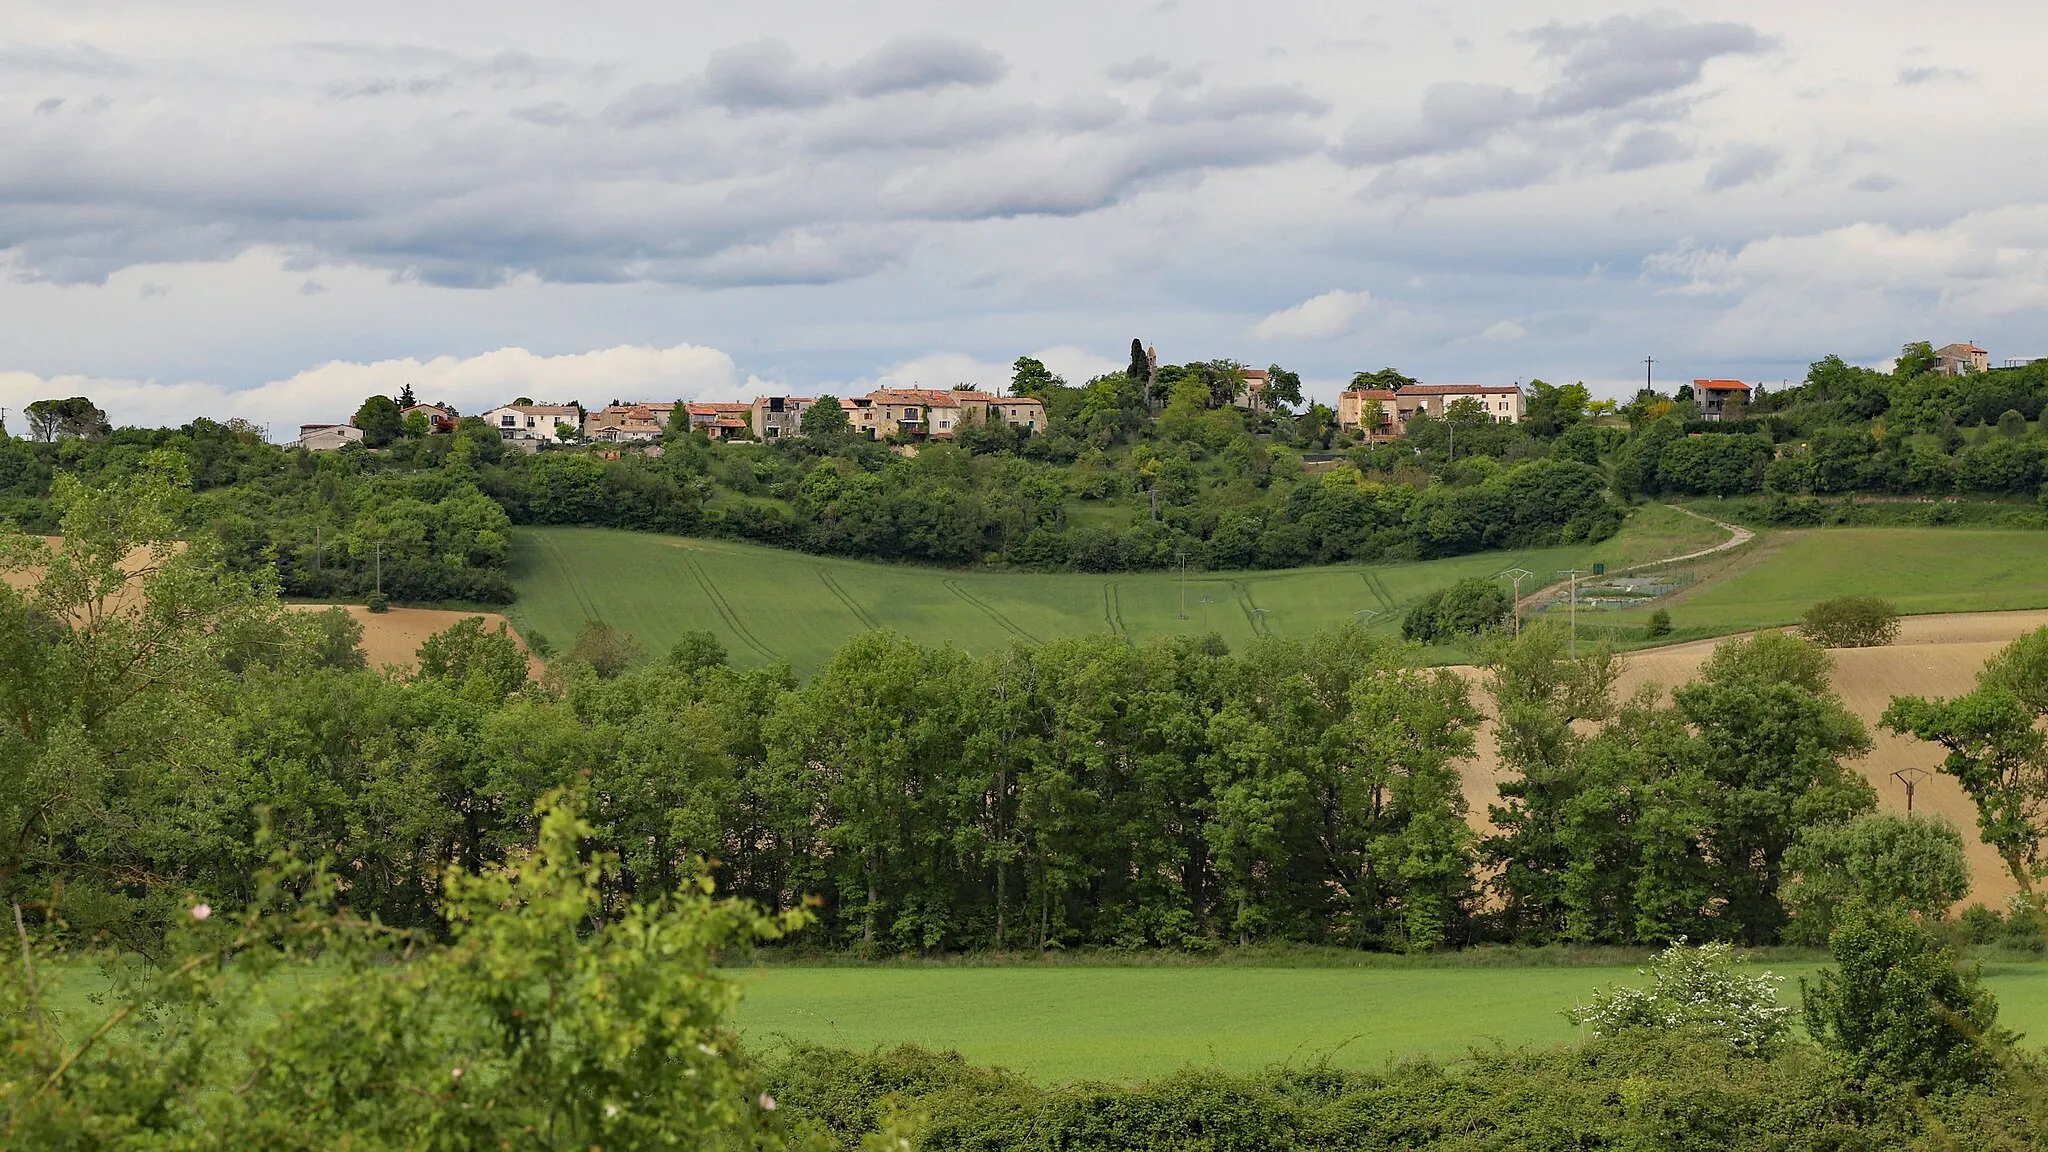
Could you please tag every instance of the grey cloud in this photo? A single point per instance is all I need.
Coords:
(1137, 68)
(1875, 182)
(1624, 59)
(916, 63)
(1928, 74)
(1224, 104)
(553, 114)
(69, 60)
(1467, 175)
(48, 107)
(1455, 115)
(1743, 164)
(766, 74)
(1648, 148)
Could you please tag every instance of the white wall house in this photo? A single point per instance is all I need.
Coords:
(534, 422)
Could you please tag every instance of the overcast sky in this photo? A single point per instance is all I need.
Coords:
(271, 209)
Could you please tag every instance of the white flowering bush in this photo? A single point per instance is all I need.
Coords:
(1705, 991)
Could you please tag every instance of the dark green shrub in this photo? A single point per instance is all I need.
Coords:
(377, 602)
(1451, 614)
(1659, 625)
(1851, 622)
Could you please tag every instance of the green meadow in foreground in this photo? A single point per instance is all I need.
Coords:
(771, 604)
(1060, 1024)
(1920, 570)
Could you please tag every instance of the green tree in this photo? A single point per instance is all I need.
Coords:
(1771, 738)
(1996, 749)
(487, 664)
(1915, 359)
(1466, 608)
(825, 421)
(1897, 1008)
(380, 421)
(1029, 377)
(1283, 388)
(1386, 379)
(1880, 860)
(74, 419)
(697, 650)
(605, 650)
(1700, 992)
(1851, 622)
(1552, 408)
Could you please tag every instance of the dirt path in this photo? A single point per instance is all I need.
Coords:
(1737, 537)
(1937, 655)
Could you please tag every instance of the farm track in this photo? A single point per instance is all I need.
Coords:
(725, 611)
(1378, 588)
(852, 605)
(1113, 612)
(577, 591)
(1001, 621)
(1253, 614)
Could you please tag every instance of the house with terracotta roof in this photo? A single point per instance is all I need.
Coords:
(1720, 399)
(1372, 410)
(720, 421)
(627, 423)
(440, 418)
(1961, 360)
(934, 413)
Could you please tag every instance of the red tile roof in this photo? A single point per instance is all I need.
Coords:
(1721, 385)
(1458, 389)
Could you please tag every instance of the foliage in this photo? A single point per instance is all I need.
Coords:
(1699, 991)
(381, 421)
(604, 649)
(1466, 608)
(1879, 860)
(824, 420)
(1659, 624)
(1996, 749)
(1851, 622)
(1897, 1008)
(551, 1018)
(488, 665)
(74, 419)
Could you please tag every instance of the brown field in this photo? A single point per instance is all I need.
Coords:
(1934, 656)
(394, 637)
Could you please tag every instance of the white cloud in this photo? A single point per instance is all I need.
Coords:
(1502, 331)
(1078, 365)
(939, 370)
(1334, 313)
(330, 392)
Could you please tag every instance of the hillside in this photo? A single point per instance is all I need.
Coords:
(769, 604)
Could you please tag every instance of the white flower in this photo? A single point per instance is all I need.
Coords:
(201, 911)
(767, 1102)
(455, 1072)
(611, 1110)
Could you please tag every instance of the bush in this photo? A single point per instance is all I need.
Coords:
(1882, 860)
(1899, 1008)
(377, 602)
(1464, 609)
(1700, 992)
(608, 651)
(1659, 625)
(1851, 622)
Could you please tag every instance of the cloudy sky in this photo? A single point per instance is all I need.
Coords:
(271, 209)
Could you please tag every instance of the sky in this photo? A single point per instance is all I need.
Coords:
(270, 210)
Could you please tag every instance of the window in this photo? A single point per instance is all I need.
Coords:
(508, 421)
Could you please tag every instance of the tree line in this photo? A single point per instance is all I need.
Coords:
(1079, 793)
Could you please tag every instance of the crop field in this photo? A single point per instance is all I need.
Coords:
(1059, 1024)
(1918, 569)
(769, 604)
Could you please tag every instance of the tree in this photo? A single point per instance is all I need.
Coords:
(405, 396)
(1140, 370)
(415, 426)
(1996, 749)
(1466, 608)
(1283, 388)
(603, 649)
(697, 650)
(1386, 379)
(1915, 359)
(2012, 424)
(1851, 622)
(1701, 992)
(379, 419)
(1659, 624)
(488, 665)
(74, 419)
(1031, 377)
(824, 420)
(1553, 408)
(1880, 860)
(565, 432)
(1897, 1008)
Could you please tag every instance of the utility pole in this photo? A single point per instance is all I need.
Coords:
(1574, 573)
(1182, 556)
(1911, 777)
(1206, 601)
(380, 567)
(1517, 575)
(1647, 361)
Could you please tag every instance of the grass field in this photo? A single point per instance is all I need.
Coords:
(769, 604)
(1064, 1024)
(1921, 570)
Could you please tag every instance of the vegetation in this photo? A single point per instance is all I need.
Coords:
(1463, 610)
(1882, 860)
(1702, 993)
(1851, 622)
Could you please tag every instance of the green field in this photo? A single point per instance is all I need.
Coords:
(769, 604)
(1920, 570)
(1075, 1023)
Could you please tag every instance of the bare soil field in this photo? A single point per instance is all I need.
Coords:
(394, 637)
(1937, 655)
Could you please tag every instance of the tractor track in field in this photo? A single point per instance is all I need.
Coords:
(1378, 588)
(577, 592)
(852, 605)
(1113, 611)
(725, 610)
(1253, 614)
(1001, 621)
